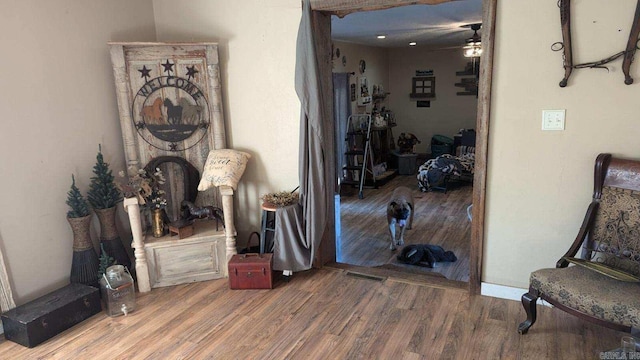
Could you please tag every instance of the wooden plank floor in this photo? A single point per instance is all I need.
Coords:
(322, 314)
(439, 219)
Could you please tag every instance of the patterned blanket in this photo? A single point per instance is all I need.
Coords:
(434, 171)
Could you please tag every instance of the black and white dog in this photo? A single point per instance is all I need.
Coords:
(399, 212)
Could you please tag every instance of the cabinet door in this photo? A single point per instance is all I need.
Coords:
(186, 261)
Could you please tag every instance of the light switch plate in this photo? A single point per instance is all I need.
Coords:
(553, 119)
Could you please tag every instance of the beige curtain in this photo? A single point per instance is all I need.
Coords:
(303, 227)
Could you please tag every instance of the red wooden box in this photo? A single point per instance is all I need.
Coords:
(251, 271)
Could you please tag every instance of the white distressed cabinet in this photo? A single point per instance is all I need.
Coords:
(198, 257)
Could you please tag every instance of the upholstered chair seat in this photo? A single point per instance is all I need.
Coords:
(591, 293)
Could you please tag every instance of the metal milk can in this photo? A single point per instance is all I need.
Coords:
(118, 291)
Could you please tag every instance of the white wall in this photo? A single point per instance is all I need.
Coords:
(376, 70)
(257, 58)
(58, 103)
(539, 183)
(448, 112)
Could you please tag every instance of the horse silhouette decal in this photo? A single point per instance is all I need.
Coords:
(174, 113)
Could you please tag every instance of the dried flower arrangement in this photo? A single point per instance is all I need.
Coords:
(144, 186)
(282, 198)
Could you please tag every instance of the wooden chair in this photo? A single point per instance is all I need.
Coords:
(601, 286)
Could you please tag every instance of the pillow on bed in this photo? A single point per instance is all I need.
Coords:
(223, 167)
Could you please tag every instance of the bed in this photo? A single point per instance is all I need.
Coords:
(437, 173)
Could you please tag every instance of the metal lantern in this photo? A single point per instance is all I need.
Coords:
(118, 291)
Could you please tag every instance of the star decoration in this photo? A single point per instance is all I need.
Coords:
(144, 72)
(204, 125)
(168, 67)
(140, 125)
(191, 71)
(173, 147)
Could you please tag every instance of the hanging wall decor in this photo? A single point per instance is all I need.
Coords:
(565, 46)
(168, 93)
(423, 87)
(169, 108)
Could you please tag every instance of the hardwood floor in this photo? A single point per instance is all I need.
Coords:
(439, 219)
(322, 314)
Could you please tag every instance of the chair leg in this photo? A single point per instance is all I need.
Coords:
(529, 303)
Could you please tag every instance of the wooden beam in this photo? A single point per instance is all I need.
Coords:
(346, 7)
(482, 137)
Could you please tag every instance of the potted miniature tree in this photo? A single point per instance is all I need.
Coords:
(84, 265)
(103, 195)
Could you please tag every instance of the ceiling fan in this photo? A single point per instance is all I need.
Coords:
(473, 45)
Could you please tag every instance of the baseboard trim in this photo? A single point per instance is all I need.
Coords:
(506, 292)
(501, 291)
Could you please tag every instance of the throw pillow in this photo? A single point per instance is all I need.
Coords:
(223, 167)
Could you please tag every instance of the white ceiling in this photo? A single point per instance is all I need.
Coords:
(433, 26)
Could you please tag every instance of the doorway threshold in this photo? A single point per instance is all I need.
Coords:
(385, 274)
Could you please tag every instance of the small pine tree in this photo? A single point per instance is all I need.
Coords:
(105, 262)
(103, 192)
(77, 203)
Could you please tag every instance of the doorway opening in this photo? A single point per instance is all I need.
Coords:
(477, 192)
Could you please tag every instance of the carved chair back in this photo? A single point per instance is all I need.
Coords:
(614, 238)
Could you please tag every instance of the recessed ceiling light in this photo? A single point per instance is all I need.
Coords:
(382, 37)
(413, 43)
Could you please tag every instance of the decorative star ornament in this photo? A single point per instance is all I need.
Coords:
(173, 147)
(191, 71)
(145, 73)
(168, 67)
(140, 125)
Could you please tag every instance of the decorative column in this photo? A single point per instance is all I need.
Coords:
(229, 228)
(132, 207)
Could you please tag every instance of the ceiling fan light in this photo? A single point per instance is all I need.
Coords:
(473, 45)
(471, 51)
